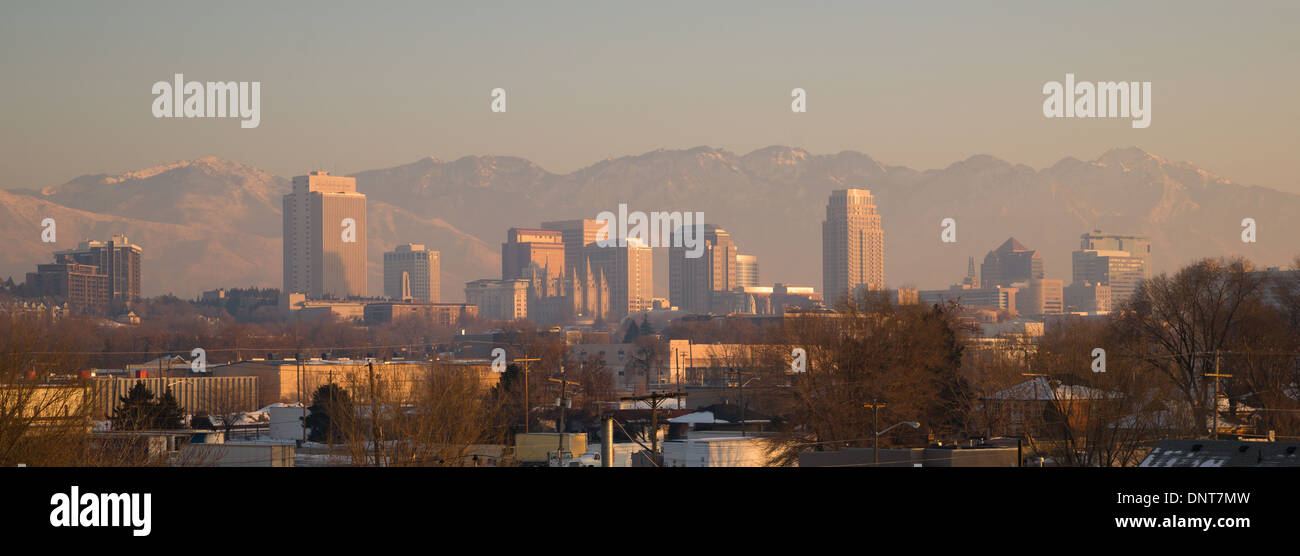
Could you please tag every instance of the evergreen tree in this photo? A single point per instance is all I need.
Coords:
(646, 329)
(168, 412)
(632, 332)
(328, 400)
(138, 410)
(512, 375)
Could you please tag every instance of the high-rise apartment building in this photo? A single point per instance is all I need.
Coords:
(1011, 262)
(116, 258)
(853, 244)
(325, 237)
(412, 272)
(526, 250)
(629, 273)
(692, 281)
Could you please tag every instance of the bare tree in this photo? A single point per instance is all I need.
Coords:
(1186, 321)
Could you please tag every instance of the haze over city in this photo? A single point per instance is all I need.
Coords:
(349, 88)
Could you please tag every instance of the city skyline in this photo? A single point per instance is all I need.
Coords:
(756, 238)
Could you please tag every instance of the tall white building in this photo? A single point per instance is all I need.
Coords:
(853, 244)
(325, 237)
(411, 271)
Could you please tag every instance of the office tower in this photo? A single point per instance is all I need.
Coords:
(576, 235)
(412, 272)
(692, 281)
(746, 271)
(1011, 262)
(853, 244)
(1118, 261)
(116, 258)
(1040, 296)
(1119, 270)
(83, 286)
(498, 299)
(325, 237)
(527, 249)
(628, 271)
(1136, 245)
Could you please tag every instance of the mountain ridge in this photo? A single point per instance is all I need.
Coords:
(771, 199)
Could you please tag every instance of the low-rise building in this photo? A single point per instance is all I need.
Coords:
(442, 314)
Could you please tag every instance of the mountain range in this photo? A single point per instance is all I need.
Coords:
(211, 222)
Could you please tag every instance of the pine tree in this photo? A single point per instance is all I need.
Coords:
(328, 400)
(168, 412)
(646, 329)
(138, 410)
(632, 332)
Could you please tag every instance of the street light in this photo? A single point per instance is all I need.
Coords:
(875, 440)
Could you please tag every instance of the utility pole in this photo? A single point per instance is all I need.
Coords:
(374, 413)
(654, 399)
(329, 430)
(875, 437)
(1214, 401)
(301, 384)
(526, 361)
(740, 380)
(607, 444)
(561, 401)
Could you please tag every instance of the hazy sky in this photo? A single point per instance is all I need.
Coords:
(355, 86)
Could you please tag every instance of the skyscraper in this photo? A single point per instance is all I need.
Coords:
(853, 244)
(325, 237)
(1137, 245)
(1119, 270)
(1120, 261)
(1011, 262)
(117, 258)
(692, 281)
(415, 269)
(629, 273)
